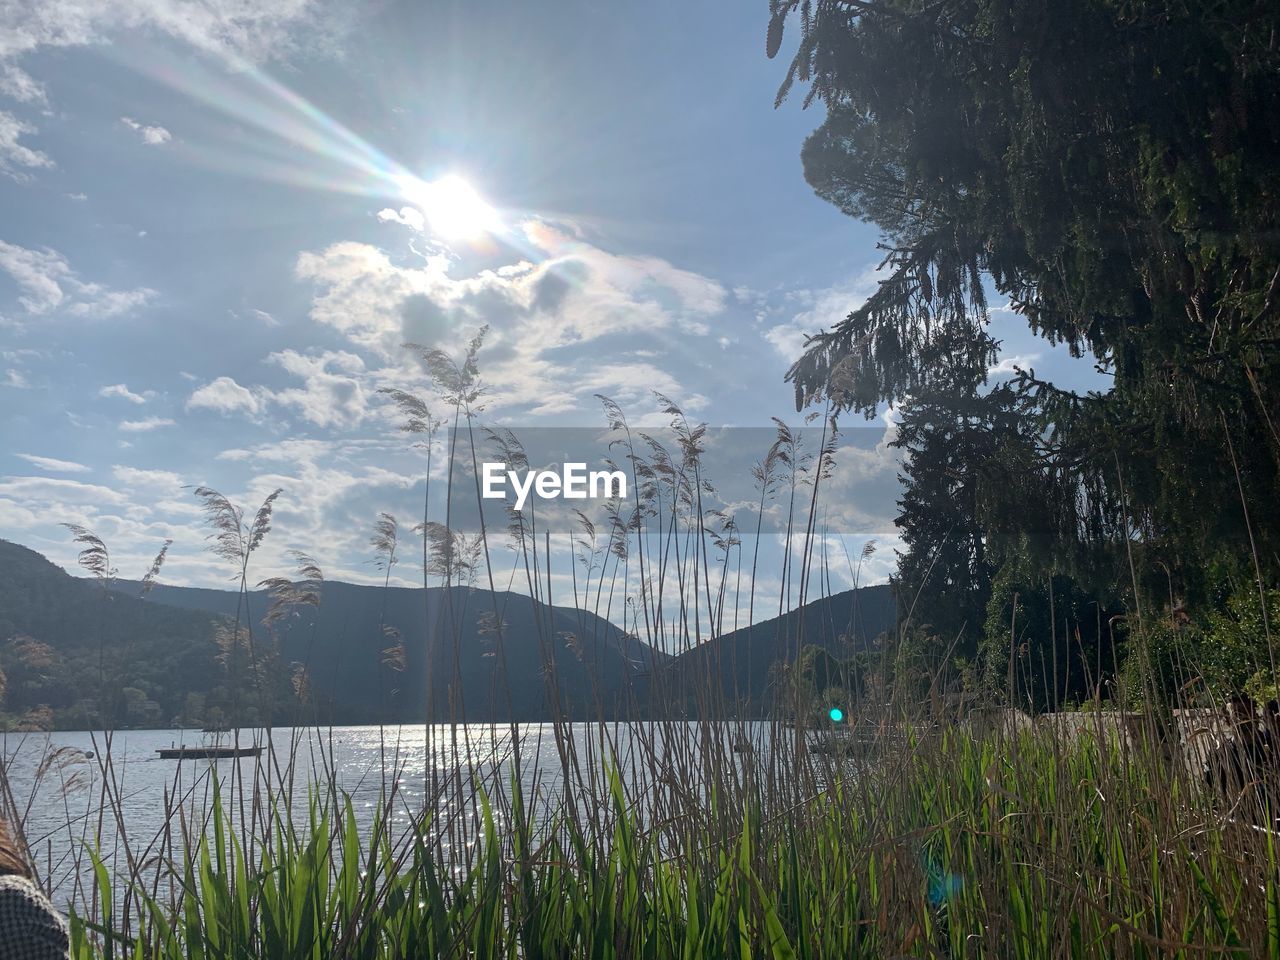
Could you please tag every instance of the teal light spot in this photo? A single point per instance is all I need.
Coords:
(836, 714)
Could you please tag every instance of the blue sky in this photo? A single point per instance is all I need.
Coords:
(216, 237)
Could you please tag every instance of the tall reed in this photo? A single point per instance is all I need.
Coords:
(910, 830)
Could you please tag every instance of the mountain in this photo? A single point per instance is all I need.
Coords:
(597, 669)
(740, 665)
(73, 653)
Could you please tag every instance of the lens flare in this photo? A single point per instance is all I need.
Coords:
(279, 135)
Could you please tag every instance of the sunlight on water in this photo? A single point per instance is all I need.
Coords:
(57, 778)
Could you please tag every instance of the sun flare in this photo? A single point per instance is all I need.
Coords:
(452, 207)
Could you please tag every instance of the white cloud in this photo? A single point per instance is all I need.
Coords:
(1010, 365)
(308, 450)
(409, 216)
(822, 310)
(15, 516)
(227, 27)
(23, 353)
(224, 395)
(364, 293)
(633, 383)
(16, 157)
(43, 490)
(333, 392)
(47, 284)
(538, 314)
(640, 280)
(19, 85)
(252, 313)
(153, 136)
(576, 294)
(327, 504)
(123, 392)
(145, 424)
(133, 477)
(266, 319)
(38, 274)
(16, 379)
(54, 466)
(96, 302)
(133, 515)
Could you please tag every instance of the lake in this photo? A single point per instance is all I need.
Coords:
(58, 780)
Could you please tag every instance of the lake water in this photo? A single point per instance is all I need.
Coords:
(58, 788)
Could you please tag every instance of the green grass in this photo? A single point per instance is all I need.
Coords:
(1025, 847)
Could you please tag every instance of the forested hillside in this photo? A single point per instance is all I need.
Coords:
(73, 654)
(744, 672)
(364, 650)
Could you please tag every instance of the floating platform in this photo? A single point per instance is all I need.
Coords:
(207, 753)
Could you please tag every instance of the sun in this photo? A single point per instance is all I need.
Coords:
(452, 207)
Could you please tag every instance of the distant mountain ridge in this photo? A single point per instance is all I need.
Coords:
(478, 671)
(741, 664)
(65, 644)
(81, 655)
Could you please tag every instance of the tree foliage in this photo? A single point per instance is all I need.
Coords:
(1111, 169)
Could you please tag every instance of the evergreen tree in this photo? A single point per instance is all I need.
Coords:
(1112, 169)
